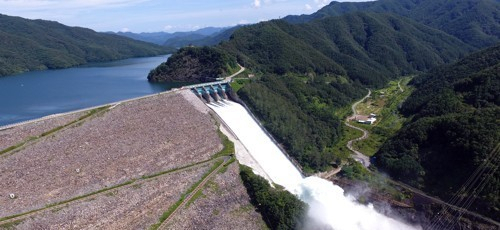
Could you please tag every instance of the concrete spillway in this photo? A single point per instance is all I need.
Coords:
(327, 203)
(260, 146)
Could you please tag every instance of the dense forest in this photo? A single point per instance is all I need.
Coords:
(299, 112)
(311, 70)
(475, 22)
(194, 64)
(368, 47)
(453, 130)
(279, 208)
(27, 45)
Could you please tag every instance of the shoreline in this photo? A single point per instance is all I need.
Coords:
(55, 115)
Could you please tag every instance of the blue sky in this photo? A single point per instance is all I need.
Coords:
(158, 15)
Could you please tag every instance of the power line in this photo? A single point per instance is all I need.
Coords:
(438, 223)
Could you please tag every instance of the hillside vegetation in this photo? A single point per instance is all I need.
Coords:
(279, 208)
(454, 128)
(475, 22)
(301, 115)
(371, 48)
(27, 45)
(193, 64)
(310, 70)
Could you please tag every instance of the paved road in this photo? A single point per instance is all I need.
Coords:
(235, 74)
(358, 156)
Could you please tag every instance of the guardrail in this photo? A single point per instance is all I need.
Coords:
(207, 84)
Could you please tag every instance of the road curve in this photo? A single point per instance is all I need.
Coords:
(358, 156)
(228, 78)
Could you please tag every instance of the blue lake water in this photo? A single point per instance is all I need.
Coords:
(40, 93)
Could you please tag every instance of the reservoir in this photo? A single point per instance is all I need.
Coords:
(36, 94)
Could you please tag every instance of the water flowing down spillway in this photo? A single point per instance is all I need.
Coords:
(260, 146)
(327, 202)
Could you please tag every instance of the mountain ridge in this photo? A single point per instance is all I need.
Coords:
(353, 44)
(453, 129)
(476, 22)
(28, 45)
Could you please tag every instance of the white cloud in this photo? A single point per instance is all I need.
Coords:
(256, 3)
(322, 3)
(243, 22)
(259, 3)
(308, 7)
(168, 27)
(125, 29)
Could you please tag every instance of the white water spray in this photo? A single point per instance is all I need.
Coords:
(327, 202)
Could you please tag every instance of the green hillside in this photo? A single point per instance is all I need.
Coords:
(367, 47)
(308, 71)
(27, 45)
(454, 128)
(476, 22)
(194, 64)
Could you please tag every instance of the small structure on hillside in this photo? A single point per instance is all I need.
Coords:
(366, 119)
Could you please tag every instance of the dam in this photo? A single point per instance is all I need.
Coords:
(211, 92)
(327, 203)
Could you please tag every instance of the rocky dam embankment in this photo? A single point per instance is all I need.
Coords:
(119, 168)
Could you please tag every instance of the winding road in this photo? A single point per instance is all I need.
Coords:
(358, 156)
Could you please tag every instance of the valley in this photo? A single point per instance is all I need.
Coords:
(357, 115)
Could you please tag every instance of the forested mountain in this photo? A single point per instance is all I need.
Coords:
(310, 70)
(454, 128)
(194, 64)
(27, 45)
(299, 112)
(203, 37)
(368, 47)
(156, 37)
(476, 22)
(160, 38)
(206, 40)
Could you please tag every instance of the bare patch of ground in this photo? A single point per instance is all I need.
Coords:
(136, 206)
(18, 134)
(223, 204)
(136, 138)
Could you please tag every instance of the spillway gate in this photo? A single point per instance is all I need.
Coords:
(212, 91)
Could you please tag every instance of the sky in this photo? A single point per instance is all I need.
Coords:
(158, 15)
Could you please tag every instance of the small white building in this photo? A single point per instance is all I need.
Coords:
(366, 119)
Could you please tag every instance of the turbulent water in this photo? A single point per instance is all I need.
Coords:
(327, 202)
